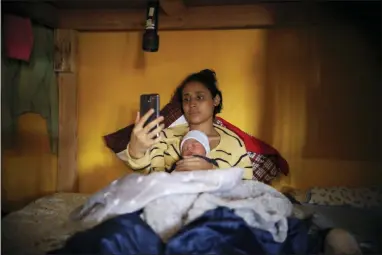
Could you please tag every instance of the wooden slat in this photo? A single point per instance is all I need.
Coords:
(42, 13)
(67, 180)
(65, 52)
(208, 17)
(173, 7)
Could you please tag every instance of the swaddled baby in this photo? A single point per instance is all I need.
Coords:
(195, 143)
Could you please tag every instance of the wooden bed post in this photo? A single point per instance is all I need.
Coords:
(65, 65)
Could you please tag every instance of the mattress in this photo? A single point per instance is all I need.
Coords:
(42, 225)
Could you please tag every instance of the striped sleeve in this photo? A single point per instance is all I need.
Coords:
(242, 160)
(234, 150)
(153, 160)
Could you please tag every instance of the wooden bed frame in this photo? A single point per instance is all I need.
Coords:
(68, 23)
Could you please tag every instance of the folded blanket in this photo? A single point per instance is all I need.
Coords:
(170, 201)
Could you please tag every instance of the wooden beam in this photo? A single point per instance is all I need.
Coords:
(208, 17)
(173, 7)
(42, 13)
(65, 65)
(65, 58)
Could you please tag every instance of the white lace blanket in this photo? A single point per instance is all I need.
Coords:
(169, 201)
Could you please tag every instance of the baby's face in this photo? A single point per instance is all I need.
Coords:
(193, 147)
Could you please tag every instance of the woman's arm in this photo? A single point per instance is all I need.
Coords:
(139, 153)
(152, 160)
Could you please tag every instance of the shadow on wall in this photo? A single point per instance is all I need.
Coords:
(267, 119)
(90, 181)
(284, 110)
(342, 123)
(320, 108)
(29, 170)
(140, 61)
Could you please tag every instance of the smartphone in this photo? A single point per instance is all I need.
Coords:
(150, 101)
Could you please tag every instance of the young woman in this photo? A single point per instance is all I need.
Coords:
(201, 100)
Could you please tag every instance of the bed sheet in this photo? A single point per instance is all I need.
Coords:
(42, 225)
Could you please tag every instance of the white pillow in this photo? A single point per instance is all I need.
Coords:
(181, 120)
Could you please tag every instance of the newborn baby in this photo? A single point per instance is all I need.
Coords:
(195, 143)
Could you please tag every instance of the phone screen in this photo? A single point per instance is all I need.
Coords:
(150, 101)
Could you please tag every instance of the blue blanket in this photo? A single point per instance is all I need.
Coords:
(217, 231)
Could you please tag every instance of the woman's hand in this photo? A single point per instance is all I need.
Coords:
(193, 163)
(141, 138)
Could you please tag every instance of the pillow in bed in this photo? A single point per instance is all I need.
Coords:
(301, 196)
(356, 197)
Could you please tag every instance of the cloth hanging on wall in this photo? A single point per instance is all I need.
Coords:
(31, 88)
(18, 37)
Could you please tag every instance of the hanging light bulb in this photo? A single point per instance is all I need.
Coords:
(150, 37)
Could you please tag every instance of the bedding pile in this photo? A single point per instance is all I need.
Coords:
(168, 202)
(195, 212)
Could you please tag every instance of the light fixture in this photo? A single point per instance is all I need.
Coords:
(150, 41)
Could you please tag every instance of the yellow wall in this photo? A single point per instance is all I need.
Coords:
(29, 170)
(114, 72)
(272, 85)
(266, 88)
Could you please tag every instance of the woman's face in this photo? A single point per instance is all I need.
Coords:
(197, 102)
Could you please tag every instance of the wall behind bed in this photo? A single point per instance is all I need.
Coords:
(314, 94)
(28, 170)
(114, 72)
(311, 93)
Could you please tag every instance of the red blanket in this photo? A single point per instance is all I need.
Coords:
(257, 146)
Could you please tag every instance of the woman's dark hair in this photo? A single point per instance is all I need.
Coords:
(206, 77)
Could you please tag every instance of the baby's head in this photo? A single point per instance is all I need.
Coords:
(195, 143)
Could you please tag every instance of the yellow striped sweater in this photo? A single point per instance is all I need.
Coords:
(230, 152)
